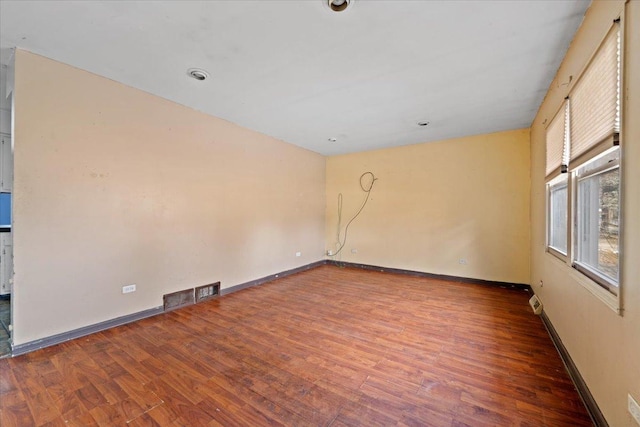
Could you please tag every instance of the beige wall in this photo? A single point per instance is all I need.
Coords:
(604, 346)
(115, 186)
(436, 203)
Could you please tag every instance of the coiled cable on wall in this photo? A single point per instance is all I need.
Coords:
(367, 189)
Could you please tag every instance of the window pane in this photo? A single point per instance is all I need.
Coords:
(558, 217)
(598, 222)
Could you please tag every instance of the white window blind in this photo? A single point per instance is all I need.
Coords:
(595, 100)
(558, 140)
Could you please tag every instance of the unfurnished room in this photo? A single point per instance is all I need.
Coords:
(320, 213)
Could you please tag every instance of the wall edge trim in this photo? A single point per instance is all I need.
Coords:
(510, 285)
(17, 350)
(271, 277)
(20, 349)
(587, 398)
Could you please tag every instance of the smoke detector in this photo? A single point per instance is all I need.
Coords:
(339, 5)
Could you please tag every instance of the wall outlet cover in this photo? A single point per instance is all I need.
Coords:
(128, 289)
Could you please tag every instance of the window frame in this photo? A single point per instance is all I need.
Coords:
(562, 180)
(558, 174)
(612, 286)
(597, 284)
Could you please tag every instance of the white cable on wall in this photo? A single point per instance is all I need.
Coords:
(367, 189)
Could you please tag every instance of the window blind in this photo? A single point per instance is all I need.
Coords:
(557, 141)
(595, 100)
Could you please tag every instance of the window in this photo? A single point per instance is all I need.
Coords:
(583, 139)
(598, 219)
(557, 182)
(558, 215)
(595, 129)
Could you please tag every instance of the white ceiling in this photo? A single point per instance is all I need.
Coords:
(296, 71)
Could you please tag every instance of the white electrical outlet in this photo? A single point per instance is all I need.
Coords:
(329, 252)
(462, 261)
(634, 409)
(354, 251)
(298, 253)
(127, 289)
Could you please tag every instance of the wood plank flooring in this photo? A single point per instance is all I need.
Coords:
(328, 347)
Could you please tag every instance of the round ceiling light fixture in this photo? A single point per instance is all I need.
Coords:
(197, 73)
(338, 5)
(332, 139)
(423, 124)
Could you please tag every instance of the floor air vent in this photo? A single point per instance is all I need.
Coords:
(206, 292)
(536, 304)
(178, 299)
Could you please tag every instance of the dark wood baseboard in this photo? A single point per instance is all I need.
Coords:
(19, 349)
(66, 336)
(509, 285)
(317, 348)
(583, 390)
(581, 386)
(271, 277)
(592, 407)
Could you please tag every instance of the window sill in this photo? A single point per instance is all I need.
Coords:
(556, 253)
(610, 300)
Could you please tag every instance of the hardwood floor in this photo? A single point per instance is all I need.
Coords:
(327, 347)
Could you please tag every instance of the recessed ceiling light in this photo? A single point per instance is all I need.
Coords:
(332, 139)
(338, 5)
(423, 123)
(197, 73)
